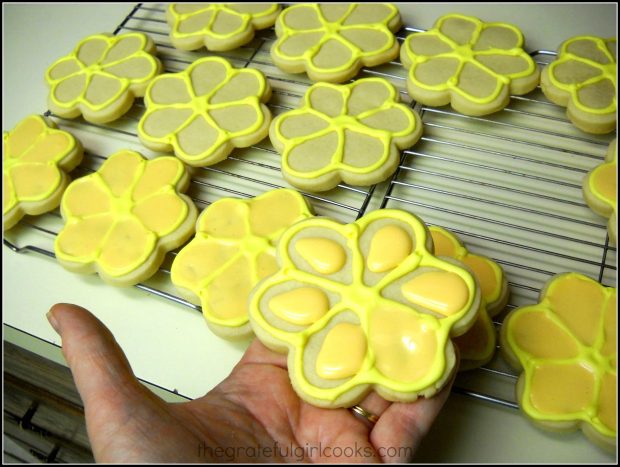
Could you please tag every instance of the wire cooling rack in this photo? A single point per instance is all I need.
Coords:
(509, 185)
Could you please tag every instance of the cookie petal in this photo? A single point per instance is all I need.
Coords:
(161, 123)
(242, 85)
(63, 68)
(34, 181)
(397, 120)
(333, 55)
(312, 155)
(198, 138)
(599, 94)
(367, 40)
(226, 23)
(124, 47)
(49, 148)
(86, 197)
(92, 50)
(120, 171)
(369, 95)
(298, 124)
(158, 175)
(136, 68)
(298, 44)
(168, 90)
(476, 83)
(370, 13)
(362, 151)
(270, 215)
(326, 99)
(68, 91)
(126, 247)
(206, 75)
(301, 18)
(80, 241)
(460, 29)
(225, 219)
(17, 141)
(498, 37)
(102, 90)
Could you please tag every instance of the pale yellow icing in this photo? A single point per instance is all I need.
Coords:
(34, 159)
(439, 291)
(119, 216)
(302, 306)
(324, 255)
(388, 248)
(389, 342)
(331, 363)
(566, 345)
(234, 249)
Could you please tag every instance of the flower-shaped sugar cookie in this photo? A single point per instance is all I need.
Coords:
(101, 77)
(332, 42)
(35, 162)
(600, 190)
(351, 133)
(477, 345)
(566, 347)
(234, 248)
(122, 219)
(205, 111)
(470, 64)
(218, 26)
(583, 78)
(364, 306)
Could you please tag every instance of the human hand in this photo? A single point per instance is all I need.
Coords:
(254, 415)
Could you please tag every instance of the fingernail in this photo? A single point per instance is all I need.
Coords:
(53, 321)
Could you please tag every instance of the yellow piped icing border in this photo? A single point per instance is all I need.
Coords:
(607, 72)
(363, 300)
(391, 140)
(492, 284)
(33, 150)
(199, 105)
(581, 314)
(75, 67)
(466, 54)
(120, 218)
(607, 195)
(246, 235)
(331, 30)
(206, 34)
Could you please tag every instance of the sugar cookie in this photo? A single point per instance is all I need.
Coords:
(35, 163)
(121, 220)
(351, 133)
(234, 248)
(472, 65)
(601, 192)
(332, 42)
(583, 79)
(477, 345)
(205, 111)
(566, 347)
(218, 26)
(364, 306)
(101, 77)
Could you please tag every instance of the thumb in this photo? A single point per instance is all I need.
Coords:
(100, 369)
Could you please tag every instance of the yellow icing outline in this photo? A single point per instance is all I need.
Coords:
(247, 19)
(200, 108)
(99, 69)
(121, 208)
(341, 123)
(609, 161)
(250, 245)
(530, 362)
(607, 72)
(11, 160)
(367, 298)
(458, 53)
(330, 31)
(460, 253)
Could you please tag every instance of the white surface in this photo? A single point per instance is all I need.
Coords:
(169, 345)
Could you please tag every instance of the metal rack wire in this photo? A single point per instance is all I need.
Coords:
(509, 185)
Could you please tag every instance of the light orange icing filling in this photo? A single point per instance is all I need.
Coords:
(439, 291)
(331, 363)
(324, 255)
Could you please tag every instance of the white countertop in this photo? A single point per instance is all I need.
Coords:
(169, 345)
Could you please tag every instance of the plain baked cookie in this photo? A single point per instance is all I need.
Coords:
(472, 65)
(565, 346)
(35, 162)
(217, 26)
(583, 79)
(477, 346)
(121, 220)
(102, 76)
(600, 190)
(364, 306)
(352, 133)
(205, 111)
(234, 248)
(333, 41)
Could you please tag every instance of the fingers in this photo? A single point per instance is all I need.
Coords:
(402, 426)
(99, 366)
(258, 353)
